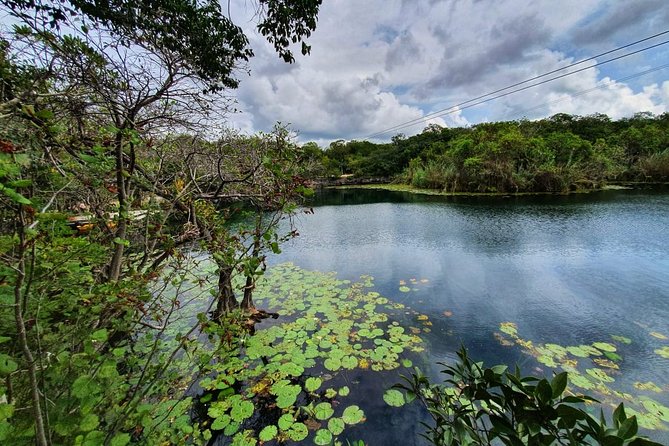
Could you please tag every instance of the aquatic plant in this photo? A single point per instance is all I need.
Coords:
(594, 368)
(272, 385)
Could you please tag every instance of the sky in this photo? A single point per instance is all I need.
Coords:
(375, 64)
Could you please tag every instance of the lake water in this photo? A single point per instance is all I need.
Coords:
(567, 270)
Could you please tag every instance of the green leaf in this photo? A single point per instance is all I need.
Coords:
(242, 410)
(353, 415)
(120, 440)
(7, 365)
(89, 422)
(285, 421)
(628, 428)
(14, 196)
(559, 384)
(121, 241)
(221, 422)
(100, 335)
(323, 411)
(323, 437)
(298, 432)
(312, 384)
(336, 426)
(393, 397)
(268, 433)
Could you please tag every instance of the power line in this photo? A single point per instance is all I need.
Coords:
(468, 103)
(590, 90)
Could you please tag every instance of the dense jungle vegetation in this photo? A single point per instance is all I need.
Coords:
(556, 154)
(129, 268)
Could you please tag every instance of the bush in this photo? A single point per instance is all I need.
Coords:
(486, 406)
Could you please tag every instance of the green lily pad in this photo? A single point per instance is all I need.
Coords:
(332, 364)
(405, 289)
(509, 328)
(581, 381)
(604, 346)
(336, 426)
(613, 356)
(268, 433)
(344, 391)
(323, 411)
(242, 411)
(312, 384)
(647, 386)
(353, 415)
(600, 375)
(285, 421)
(548, 361)
(664, 352)
(323, 437)
(349, 362)
(221, 422)
(622, 339)
(393, 397)
(298, 432)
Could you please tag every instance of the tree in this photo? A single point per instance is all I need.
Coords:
(208, 42)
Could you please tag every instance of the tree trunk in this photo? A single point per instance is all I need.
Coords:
(247, 301)
(226, 295)
(114, 269)
(40, 432)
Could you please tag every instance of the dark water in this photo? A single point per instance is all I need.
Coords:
(568, 270)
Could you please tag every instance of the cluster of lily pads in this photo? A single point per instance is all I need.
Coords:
(412, 284)
(283, 383)
(594, 368)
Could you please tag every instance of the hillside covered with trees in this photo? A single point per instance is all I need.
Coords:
(555, 154)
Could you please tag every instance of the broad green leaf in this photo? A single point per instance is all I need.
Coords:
(323, 437)
(393, 397)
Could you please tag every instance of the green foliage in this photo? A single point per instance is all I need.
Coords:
(556, 154)
(486, 406)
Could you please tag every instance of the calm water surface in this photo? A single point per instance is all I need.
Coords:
(568, 270)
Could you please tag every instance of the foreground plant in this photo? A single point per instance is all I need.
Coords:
(484, 406)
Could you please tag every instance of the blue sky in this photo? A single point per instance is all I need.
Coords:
(378, 63)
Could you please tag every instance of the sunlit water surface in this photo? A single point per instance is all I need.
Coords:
(568, 270)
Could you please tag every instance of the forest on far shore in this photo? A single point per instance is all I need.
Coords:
(556, 154)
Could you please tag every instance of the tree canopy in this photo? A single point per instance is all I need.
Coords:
(201, 33)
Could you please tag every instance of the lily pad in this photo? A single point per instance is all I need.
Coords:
(664, 352)
(509, 328)
(285, 421)
(268, 433)
(312, 384)
(242, 411)
(647, 386)
(604, 346)
(332, 364)
(344, 391)
(353, 415)
(622, 339)
(323, 411)
(405, 289)
(393, 397)
(298, 432)
(657, 335)
(323, 437)
(336, 426)
(600, 375)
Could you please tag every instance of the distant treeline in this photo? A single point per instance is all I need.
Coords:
(556, 154)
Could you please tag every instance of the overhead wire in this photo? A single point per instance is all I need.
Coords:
(590, 90)
(472, 102)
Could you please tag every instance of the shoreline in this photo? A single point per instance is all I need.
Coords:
(411, 189)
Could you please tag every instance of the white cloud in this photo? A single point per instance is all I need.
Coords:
(378, 63)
